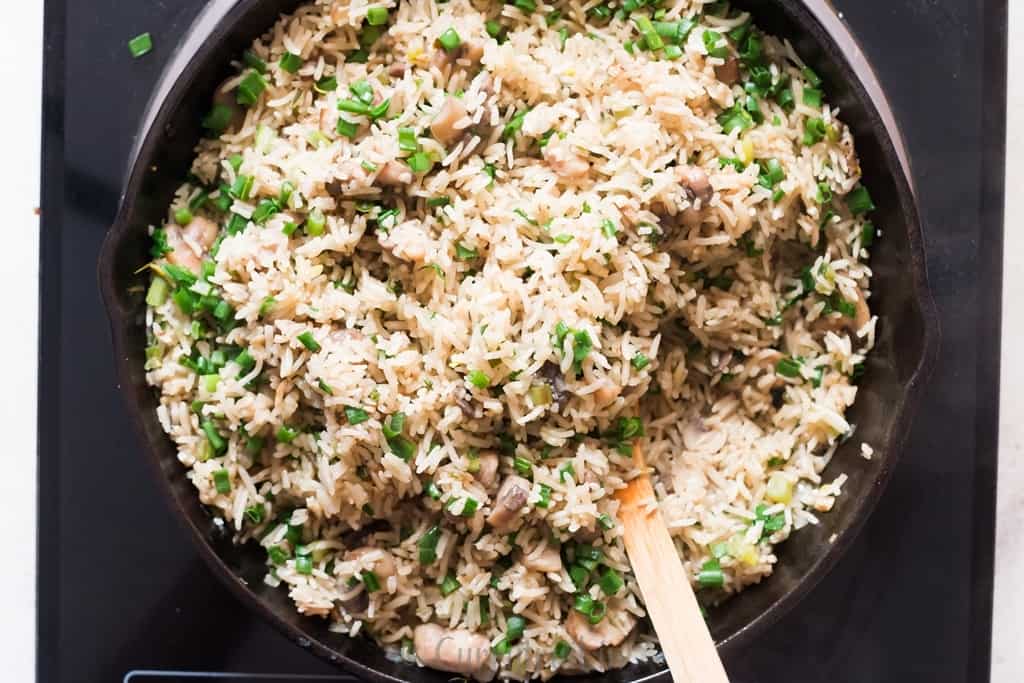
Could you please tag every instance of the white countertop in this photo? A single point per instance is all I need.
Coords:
(20, 71)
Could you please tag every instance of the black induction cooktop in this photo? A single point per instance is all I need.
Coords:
(122, 594)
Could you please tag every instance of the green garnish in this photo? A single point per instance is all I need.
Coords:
(140, 45)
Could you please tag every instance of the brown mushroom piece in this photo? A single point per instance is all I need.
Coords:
(552, 374)
(728, 73)
(454, 650)
(566, 163)
(443, 126)
(190, 244)
(608, 632)
(697, 436)
(488, 472)
(397, 69)
(394, 173)
(695, 180)
(381, 561)
(510, 499)
(357, 601)
(472, 51)
(545, 559)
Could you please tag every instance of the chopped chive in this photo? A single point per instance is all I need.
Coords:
(814, 131)
(250, 88)
(610, 582)
(255, 513)
(711, 575)
(527, 6)
(428, 545)
(811, 77)
(515, 625)
(264, 210)
(140, 45)
(479, 379)
(545, 496)
(222, 481)
(606, 521)
(859, 201)
(304, 564)
(464, 253)
(325, 387)
(370, 581)
(450, 39)
(315, 223)
(217, 441)
(407, 140)
(788, 367)
(290, 62)
(562, 649)
(377, 16)
(157, 294)
(326, 84)
(289, 228)
(514, 125)
(812, 97)
(218, 119)
(347, 128)
(307, 340)
(286, 434)
(420, 162)
(493, 28)
(501, 648)
(523, 467)
(356, 416)
(867, 235)
(640, 361)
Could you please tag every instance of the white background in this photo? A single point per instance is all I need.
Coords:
(20, 72)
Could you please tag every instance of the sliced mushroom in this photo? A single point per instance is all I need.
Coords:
(443, 126)
(473, 51)
(552, 374)
(394, 173)
(697, 436)
(729, 72)
(356, 601)
(488, 472)
(608, 632)
(564, 161)
(228, 98)
(190, 244)
(510, 499)
(457, 651)
(381, 561)
(695, 180)
(545, 559)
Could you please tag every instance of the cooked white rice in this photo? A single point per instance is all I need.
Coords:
(552, 282)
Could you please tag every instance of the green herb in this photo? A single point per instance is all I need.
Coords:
(562, 649)
(464, 253)
(427, 545)
(290, 62)
(449, 40)
(140, 45)
(735, 118)
(812, 97)
(640, 361)
(606, 521)
(222, 481)
(355, 416)
(218, 119)
(501, 648)
(315, 223)
(710, 575)
(304, 564)
(545, 496)
(771, 173)
(623, 432)
(711, 44)
(788, 367)
(309, 341)
(326, 84)
(407, 140)
(493, 28)
(420, 162)
(286, 434)
(811, 77)
(527, 6)
(249, 88)
(514, 125)
(563, 238)
(377, 16)
(432, 490)
(814, 131)
(347, 128)
(515, 625)
(479, 379)
(859, 201)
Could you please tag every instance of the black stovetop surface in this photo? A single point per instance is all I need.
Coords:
(121, 589)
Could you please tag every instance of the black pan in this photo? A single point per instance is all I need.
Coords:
(905, 351)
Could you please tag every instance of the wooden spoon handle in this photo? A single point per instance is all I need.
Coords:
(671, 604)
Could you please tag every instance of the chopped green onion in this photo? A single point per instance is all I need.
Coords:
(711, 40)
(377, 16)
(867, 235)
(812, 97)
(545, 496)
(562, 649)
(501, 648)
(428, 545)
(222, 481)
(217, 441)
(479, 379)
(606, 521)
(583, 603)
(523, 467)
(277, 555)
(264, 210)
(788, 367)
(370, 581)
(811, 77)
(597, 612)
(140, 45)
(493, 28)
(304, 564)
(310, 342)
(710, 575)
(450, 39)
(355, 416)
(420, 162)
(859, 201)
(515, 626)
(514, 125)
(326, 84)
(527, 6)
(266, 306)
(673, 52)
(469, 507)
(610, 582)
(218, 119)
(407, 140)
(315, 223)
(814, 131)
(250, 88)
(157, 293)
(347, 128)
(290, 62)
(464, 253)
(640, 361)
(579, 575)
(255, 513)
(286, 434)
(566, 470)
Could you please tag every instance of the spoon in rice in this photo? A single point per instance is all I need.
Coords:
(689, 650)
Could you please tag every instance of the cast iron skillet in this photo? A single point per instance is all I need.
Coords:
(896, 369)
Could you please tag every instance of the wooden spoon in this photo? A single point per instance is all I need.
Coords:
(671, 604)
